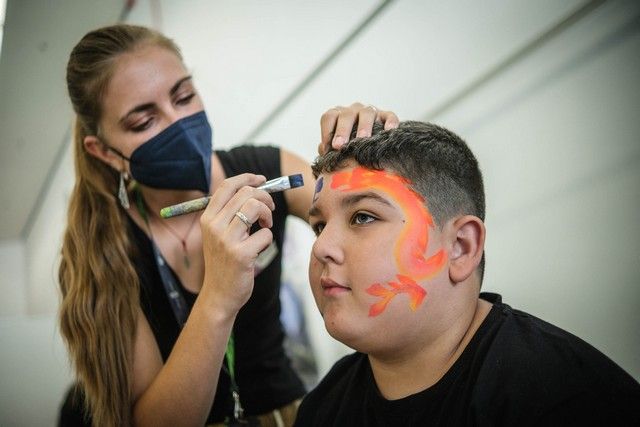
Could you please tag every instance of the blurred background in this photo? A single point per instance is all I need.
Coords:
(546, 93)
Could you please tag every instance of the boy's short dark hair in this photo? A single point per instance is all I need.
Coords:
(439, 164)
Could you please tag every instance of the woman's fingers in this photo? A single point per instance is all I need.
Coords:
(250, 212)
(258, 242)
(327, 128)
(389, 119)
(366, 118)
(337, 124)
(234, 208)
(347, 118)
(228, 189)
(242, 196)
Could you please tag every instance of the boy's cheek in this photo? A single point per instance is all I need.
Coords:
(315, 271)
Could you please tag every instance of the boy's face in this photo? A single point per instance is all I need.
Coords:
(376, 260)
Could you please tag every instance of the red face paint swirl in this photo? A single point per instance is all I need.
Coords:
(411, 246)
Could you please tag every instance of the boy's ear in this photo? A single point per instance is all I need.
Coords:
(467, 246)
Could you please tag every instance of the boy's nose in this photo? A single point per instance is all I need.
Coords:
(328, 247)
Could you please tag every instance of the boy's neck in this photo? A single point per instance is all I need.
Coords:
(402, 377)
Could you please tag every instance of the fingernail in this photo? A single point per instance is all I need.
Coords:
(338, 140)
(362, 133)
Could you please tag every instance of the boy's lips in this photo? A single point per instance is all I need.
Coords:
(329, 287)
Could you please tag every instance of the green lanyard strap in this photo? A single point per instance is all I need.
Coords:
(230, 356)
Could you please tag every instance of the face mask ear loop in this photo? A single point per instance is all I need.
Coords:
(115, 150)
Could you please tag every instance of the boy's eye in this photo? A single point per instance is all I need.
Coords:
(317, 228)
(362, 218)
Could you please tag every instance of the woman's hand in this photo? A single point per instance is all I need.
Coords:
(229, 250)
(336, 124)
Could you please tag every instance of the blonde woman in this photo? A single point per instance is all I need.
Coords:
(149, 304)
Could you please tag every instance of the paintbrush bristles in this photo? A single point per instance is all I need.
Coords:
(296, 180)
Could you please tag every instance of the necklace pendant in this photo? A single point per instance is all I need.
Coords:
(185, 254)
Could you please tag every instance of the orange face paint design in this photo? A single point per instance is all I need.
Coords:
(407, 285)
(411, 246)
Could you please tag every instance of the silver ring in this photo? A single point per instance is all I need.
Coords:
(244, 219)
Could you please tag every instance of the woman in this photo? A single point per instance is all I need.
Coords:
(149, 304)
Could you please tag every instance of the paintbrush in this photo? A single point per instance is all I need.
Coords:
(272, 186)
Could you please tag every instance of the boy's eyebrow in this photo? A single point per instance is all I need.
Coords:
(149, 105)
(352, 199)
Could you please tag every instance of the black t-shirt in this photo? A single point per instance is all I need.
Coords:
(517, 370)
(263, 371)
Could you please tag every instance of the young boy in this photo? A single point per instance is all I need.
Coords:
(396, 271)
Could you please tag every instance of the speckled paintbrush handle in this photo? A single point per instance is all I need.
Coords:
(185, 207)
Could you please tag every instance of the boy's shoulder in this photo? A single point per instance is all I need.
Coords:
(524, 360)
(526, 341)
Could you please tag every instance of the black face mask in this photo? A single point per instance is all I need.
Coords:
(178, 158)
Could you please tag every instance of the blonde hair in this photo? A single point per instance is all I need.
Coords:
(99, 284)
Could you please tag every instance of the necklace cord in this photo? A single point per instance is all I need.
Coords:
(183, 240)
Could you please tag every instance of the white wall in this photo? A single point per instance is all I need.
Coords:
(39, 34)
(34, 367)
(13, 278)
(556, 136)
(33, 363)
(42, 246)
(33, 370)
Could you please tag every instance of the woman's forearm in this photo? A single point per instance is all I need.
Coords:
(183, 391)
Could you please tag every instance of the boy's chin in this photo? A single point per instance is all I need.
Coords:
(354, 338)
(342, 331)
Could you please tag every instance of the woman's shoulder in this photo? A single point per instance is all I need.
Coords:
(258, 159)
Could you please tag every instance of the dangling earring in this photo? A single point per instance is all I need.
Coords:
(122, 190)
